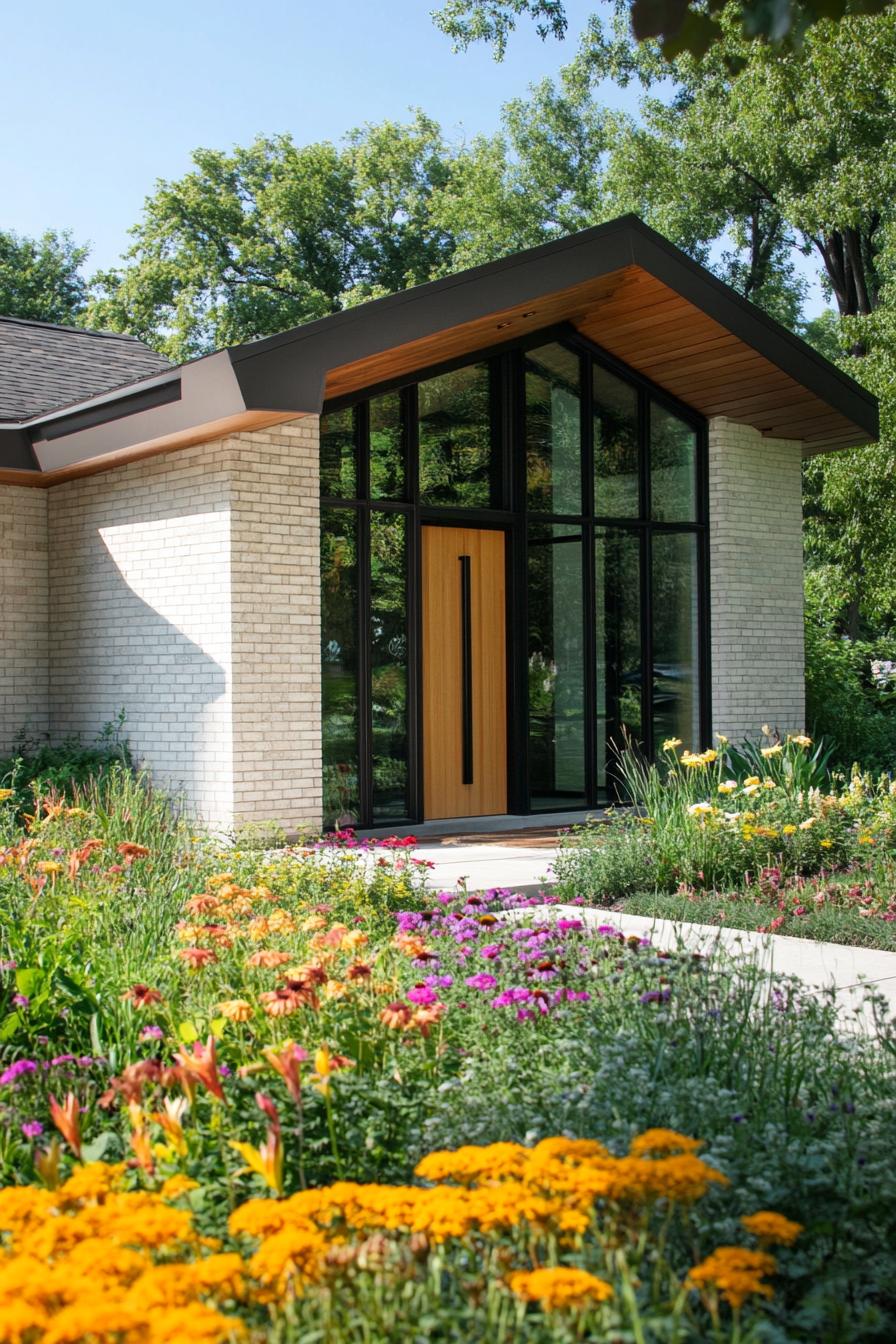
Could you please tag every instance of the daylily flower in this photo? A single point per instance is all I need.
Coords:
(326, 1064)
(170, 1118)
(286, 1060)
(141, 996)
(201, 1063)
(65, 1118)
(266, 1160)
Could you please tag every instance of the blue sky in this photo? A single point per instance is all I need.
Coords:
(103, 99)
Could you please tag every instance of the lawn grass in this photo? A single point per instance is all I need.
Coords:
(828, 924)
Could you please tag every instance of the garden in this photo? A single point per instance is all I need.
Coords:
(293, 1095)
(763, 837)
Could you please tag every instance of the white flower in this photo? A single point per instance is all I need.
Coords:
(700, 809)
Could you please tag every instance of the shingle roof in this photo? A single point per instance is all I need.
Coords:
(44, 367)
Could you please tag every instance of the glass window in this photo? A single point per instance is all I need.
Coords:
(673, 467)
(556, 669)
(458, 462)
(616, 492)
(553, 430)
(339, 659)
(676, 701)
(387, 479)
(338, 469)
(389, 665)
(617, 576)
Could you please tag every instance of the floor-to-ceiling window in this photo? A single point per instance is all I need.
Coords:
(598, 481)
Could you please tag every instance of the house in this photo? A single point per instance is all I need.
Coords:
(428, 557)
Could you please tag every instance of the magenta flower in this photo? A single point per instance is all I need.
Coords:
(21, 1066)
(21, 1000)
(481, 981)
(422, 995)
(491, 951)
(32, 1129)
(151, 1033)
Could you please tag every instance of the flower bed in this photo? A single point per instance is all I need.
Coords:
(248, 1055)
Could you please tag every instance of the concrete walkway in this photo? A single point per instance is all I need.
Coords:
(848, 971)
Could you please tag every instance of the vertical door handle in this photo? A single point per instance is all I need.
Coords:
(466, 670)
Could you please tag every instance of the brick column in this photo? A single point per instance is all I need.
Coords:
(756, 578)
(275, 615)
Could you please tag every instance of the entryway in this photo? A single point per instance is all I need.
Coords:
(464, 672)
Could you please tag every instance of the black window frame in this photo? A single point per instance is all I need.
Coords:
(508, 389)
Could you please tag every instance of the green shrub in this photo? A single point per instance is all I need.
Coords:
(39, 768)
(842, 702)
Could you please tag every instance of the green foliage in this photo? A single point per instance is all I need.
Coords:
(41, 278)
(842, 702)
(38, 769)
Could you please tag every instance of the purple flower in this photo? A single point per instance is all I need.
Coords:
(151, 1033)
(491, 951)
(572, 996)
(481, 981)
(21, 1000)
(439, 981)
(16, 1070)
(32, 1128)
(568, 925)
(61, 1059)
(421, 994)
(655, 996)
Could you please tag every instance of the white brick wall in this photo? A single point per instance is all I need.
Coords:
(23, 601)
(756, 578)
(184, 589)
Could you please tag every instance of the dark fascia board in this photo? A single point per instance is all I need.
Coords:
(16, 452)
(288, 371)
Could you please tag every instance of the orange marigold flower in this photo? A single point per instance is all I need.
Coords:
(772, 1227)
(142, 996)
(268, 958)
(197, 956)
(735, 1273)
(662, 1141)
(561, 1288)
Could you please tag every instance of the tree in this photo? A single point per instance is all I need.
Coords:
(41, 277)
(272, 235)
(680, 25)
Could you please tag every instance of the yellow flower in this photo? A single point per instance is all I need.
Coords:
(671, 743)
(176, 1186)
(826, 844)
(772, 1227)
(789, 829)
(866, 839)
(700, 809)
(49, 866)
(6, 794)
(721, 739)
(769, 784)
(799, 739)
(728, 786)
(751, 780)
(654, 1141)
(562, 1288)
(772, 751)
(266, 1160)
(235, 1010)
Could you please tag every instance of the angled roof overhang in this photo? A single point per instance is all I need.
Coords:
(621, 284)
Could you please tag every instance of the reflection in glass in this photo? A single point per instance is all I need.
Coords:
(458, 464)
(386, 447)
(616, 493)
(617, 573)
(673, 467)
(553, 430)
(676, 704)
(339, 659)
(389, 665)
(556, 669)
(338, 473)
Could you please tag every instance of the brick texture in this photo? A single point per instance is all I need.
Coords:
(184, 589)
(24, 591)
(756, 578)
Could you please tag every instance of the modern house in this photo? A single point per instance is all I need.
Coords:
(428, 557)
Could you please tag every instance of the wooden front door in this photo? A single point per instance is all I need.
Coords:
(464, 673)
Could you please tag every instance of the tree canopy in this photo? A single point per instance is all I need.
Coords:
(42, 278)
